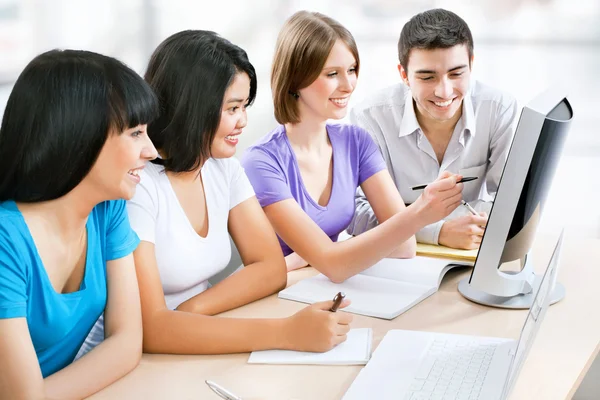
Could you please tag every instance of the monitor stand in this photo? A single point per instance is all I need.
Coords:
(530, 280)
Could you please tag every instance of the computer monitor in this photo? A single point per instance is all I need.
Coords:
(517, 208)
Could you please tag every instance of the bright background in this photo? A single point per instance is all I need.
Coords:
(521, 46)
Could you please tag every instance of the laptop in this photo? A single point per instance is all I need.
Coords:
(412, 365)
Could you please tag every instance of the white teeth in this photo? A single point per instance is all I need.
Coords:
(230, 137)
(133, 172)
(443, 104)
(341, 102)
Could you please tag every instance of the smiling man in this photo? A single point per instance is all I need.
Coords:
(436, 120)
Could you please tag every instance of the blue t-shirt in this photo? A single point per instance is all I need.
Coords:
(273, 170)
(59, 323)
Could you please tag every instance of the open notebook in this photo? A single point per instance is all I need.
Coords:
(356, 350)
(385, 290)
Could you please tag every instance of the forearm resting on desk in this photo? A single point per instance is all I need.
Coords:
(97, 369)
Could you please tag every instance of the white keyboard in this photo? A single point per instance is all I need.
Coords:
(452, 369)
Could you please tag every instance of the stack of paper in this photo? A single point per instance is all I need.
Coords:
(431, 250)
(356, 350)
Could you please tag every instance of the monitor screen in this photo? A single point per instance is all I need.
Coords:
(516, 211)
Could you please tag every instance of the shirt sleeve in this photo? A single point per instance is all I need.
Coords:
(121, 240)
(364, 218)
(430, 234)
(240, 187)
(142, 209)
(503, 130)
(13, 277)
(370, 158)
(268, 181)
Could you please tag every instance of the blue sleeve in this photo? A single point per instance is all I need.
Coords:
(13, 275)
(268, 181)
(121, 240)
(370, 159)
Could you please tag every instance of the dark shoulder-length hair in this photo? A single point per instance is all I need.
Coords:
(61, 111)
(190, 72)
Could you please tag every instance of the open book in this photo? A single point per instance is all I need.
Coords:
(385, 290)
(356, 350)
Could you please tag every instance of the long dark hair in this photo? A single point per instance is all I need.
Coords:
(59, 114)
(190, 72)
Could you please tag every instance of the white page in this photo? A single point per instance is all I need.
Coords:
(356, 350)
(371, 296)
(425, 271)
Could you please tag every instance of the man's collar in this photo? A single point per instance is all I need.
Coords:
(409, 119)
(410, 124)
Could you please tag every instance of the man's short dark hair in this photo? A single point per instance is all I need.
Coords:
(190, 72)
(59, 114)
(433, 29)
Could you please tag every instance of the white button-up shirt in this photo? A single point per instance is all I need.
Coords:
(478, 147)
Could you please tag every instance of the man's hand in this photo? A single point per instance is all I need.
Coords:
(463, 232)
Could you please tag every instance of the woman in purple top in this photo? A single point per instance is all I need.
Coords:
(305, 172)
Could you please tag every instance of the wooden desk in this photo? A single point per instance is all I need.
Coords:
(559, 359)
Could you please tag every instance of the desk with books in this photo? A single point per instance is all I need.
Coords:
(565, 347)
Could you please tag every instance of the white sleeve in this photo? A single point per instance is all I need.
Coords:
(501, 136)
(143, 208)
(364, 217)
(240, 186)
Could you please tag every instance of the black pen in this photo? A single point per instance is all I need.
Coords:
(337, 300)
(464, 179)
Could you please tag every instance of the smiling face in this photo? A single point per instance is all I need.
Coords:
(438, 79)
(115, 172)
(327, 97)
(233, 117)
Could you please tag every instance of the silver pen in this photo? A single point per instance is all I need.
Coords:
(221, 391)
(471, 209)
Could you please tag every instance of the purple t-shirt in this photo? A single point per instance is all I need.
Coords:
(273, 171)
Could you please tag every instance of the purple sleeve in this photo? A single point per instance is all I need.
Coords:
(267, 179)
(370, 159)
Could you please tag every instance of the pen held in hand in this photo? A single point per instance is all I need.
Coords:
(464, 179)
(471, 209)
(337, 301)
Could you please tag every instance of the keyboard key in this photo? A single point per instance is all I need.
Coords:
(453, 369)
(424, 368)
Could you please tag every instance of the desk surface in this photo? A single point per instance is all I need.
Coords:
(565, 347)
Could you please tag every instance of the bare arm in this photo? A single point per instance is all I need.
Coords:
(20, 374)
(180, 332)
(120, 352)
(341, 260)
(386, 201)
(264, 272)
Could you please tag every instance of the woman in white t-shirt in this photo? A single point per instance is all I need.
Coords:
(195, 196)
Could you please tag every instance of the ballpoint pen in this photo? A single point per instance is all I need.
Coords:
(337, 301)
(465, 179)
(471, 209)
(221, 391)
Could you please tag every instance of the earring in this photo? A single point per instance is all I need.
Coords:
(294, 95)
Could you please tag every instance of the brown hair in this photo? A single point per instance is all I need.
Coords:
(303, 46)
(433, 29)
